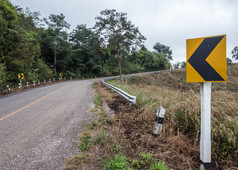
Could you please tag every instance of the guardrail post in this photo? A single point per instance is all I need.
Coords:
(27, 84)
(34, 83)
(44, 81)
(159, 121)
(49, 80)
(53, 79)
(130, 104)
(19, 85)
(38, 82)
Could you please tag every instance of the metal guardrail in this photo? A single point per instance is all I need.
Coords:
(130, 98)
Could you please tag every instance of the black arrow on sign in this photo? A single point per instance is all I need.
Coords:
(21, 76)
(198, 59)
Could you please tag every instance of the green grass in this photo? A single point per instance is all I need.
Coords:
(147, 156)
(144, 161)
(147, 161)
(101, 138)
(79, 157)
(116, 163)
(103, 117)
(116, 147)
(159, 166)
(97, 100)
(85, 143)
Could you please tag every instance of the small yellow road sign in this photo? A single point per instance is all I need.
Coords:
(61, 74)
(107, 73)
(20, 76)
(206, 59)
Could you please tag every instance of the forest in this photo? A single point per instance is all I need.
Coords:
(41, 48)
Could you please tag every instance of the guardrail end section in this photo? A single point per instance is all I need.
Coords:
(134, 100)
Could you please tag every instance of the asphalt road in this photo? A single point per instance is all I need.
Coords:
(38, 127)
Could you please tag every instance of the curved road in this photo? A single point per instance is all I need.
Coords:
(38, 127)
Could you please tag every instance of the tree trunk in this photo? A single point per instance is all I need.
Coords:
(119, 62)
(55, 61)
(0, 72)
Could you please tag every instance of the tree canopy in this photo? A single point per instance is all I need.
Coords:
(118, 34)
(165, 50)
(234, 53)
(42, 48)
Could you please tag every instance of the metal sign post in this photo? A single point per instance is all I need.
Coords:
(20, 77)
(205, 139)
(21, 83)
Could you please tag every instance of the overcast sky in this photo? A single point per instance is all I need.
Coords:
(169, 22)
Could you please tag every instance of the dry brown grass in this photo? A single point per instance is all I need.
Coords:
(130, 128)
(134, 127)
(182, 120)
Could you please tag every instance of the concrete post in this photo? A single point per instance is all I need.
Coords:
(159, 121)
(8, 87)
(205, 139)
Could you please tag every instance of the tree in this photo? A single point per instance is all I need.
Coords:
(161, 48)
(30, 20)
(118, 34)
(234, 53)
(176, 65)
(87, 55)
(228, 60)
(183, 64)
(146, 60)
(57, 26)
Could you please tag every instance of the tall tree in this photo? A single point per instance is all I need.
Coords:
(161, 48)
(234, 53)
(118, 34)
(86, 51)
(57, 26)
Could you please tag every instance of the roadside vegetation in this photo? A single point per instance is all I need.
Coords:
(182, 118)
(41, 48)
(100, 147)
(122, 136)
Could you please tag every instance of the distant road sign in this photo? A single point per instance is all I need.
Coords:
(61, 74)
(206, 59)
(20, 76)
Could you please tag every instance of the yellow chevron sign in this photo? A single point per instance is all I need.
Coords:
(20, 76)
(206, 59)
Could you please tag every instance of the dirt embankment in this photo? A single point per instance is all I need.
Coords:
(135, 127)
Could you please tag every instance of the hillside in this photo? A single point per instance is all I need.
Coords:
(182, 119)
